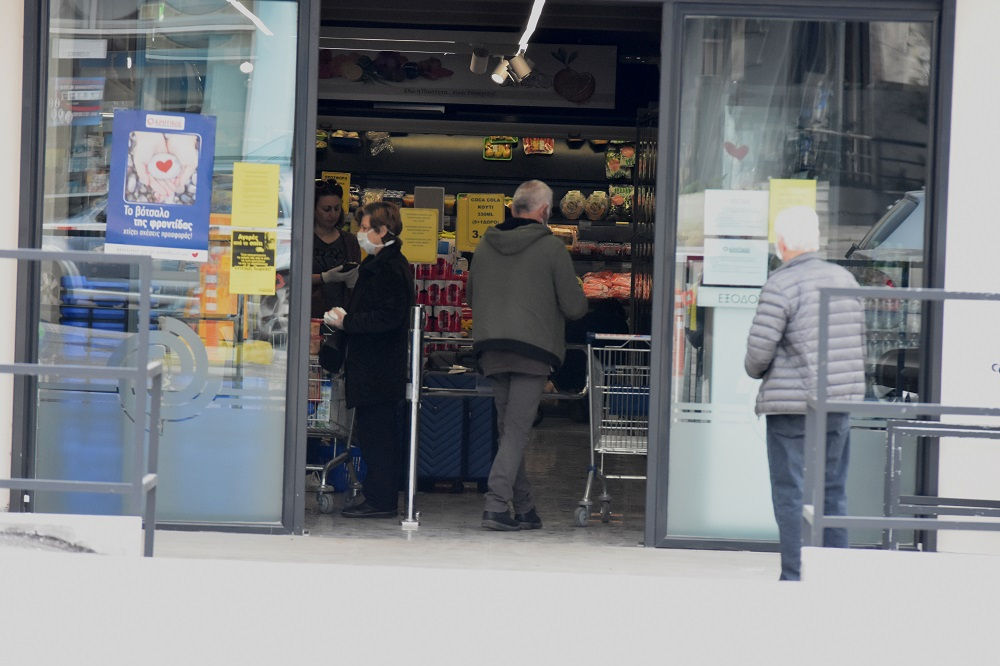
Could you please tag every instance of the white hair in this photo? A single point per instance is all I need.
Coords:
(530, 196)
(798, 228)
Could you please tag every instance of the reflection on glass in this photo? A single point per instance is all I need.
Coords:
(222, 438)
(774, 113)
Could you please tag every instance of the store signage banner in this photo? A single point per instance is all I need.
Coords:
(420, 234)
(160, 194)
(728, 297)
(476, 214)
(253, 266)
(563, 75)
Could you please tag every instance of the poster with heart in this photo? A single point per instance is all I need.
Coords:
(155, 204)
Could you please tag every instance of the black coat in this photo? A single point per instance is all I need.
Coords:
(377, 329)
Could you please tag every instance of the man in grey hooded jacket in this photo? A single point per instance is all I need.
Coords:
(522, 288)
(782, 350)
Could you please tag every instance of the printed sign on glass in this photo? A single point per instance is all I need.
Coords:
(159, 192)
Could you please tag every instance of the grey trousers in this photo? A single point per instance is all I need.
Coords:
(516, 397)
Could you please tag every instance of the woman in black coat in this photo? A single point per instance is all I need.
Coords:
(376, 324)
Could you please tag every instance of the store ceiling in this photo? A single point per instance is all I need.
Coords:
(595, 22)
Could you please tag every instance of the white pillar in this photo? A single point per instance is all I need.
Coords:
(971, 468)
(11, 54)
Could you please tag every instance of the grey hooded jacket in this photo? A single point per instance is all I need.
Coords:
(784, 338)
(522, 288)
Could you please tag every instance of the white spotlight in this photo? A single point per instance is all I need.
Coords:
(480, 59)
(520, 68)
(500, 74)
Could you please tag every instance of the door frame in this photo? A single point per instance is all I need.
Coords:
(941, 13)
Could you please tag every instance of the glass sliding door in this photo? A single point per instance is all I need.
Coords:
(777, 112)
(169, 132)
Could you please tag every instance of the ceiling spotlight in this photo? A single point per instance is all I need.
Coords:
(480, 59)
(500, 74)
(519, 68)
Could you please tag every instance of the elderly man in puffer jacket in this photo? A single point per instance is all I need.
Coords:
(782, 350)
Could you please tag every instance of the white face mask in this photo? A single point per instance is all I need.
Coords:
(366, 244)
(777, 252)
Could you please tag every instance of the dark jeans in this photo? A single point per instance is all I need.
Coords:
(785, 450)
(375, 428)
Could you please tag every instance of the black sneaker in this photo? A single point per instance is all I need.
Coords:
(528, 521)
(500, 521)
(366, 510)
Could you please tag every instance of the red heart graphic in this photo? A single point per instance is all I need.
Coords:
(739, 152)
(165, 165)
(194, 255)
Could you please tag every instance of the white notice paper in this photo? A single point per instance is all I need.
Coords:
(736, 213)
(735, 262)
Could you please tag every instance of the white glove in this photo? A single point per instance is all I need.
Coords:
(339, 275)
(335, 318)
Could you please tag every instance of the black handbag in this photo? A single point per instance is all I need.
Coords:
(332, 351)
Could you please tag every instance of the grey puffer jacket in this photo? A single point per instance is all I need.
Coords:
(784, 338)
(522, 288)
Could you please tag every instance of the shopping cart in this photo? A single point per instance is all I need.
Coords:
(618, 376)
(328, 419)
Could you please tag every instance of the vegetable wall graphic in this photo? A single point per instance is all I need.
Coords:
(562, 76)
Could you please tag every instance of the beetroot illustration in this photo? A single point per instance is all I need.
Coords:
(570, 84)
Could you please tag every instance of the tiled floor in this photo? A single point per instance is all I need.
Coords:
(557, 462)
(450, 536)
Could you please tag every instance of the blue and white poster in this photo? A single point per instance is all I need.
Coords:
(160, 193)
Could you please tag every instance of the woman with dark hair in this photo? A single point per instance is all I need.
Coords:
(375, 323)
(333, 249)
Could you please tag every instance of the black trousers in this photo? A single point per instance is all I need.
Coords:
(376, 429)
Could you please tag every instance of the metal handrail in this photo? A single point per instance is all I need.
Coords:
(145, 373)
(818, 407)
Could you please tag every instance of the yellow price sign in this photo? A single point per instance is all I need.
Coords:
(476, 214)
(343, 179)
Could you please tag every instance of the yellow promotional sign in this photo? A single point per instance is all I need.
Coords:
(788, 192)
(255, 195)
(476, 214)
(253, 267)
(420, 234)
(343, 179)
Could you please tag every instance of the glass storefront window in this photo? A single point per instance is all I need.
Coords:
(216, 87)
(830, 114)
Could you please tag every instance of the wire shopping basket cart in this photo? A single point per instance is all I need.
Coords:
(618, 375)
(328, 419)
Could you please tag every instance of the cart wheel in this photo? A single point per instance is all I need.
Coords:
(606, 512)
(324, 503)
(582, 515)
(350, 499)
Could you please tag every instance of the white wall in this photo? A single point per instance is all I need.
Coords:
(973, 247)
(11, 55)
(972, 468)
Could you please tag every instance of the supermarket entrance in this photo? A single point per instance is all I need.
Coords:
(406, 128)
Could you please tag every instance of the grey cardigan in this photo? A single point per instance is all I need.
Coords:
(783, 340)
(522, 288)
